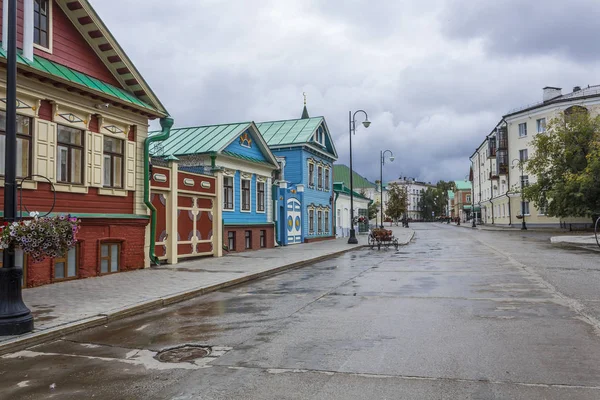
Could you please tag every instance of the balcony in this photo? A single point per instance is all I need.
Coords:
(503, 138)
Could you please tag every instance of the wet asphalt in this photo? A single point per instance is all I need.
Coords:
(456, 314)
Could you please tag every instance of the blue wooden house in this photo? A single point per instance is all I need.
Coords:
(305, 152)
(243, 164)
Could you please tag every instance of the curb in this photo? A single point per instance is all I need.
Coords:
(36, 338)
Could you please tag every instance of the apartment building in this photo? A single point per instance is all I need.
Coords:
(497, 162)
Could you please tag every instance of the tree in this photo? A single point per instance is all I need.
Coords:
(373, 210)
(397, 201)
(566, 165)
(434, 200)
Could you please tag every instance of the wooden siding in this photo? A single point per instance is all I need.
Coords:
(91, 202)
(247, 217)
(316, 197)
(69, 48)
(254, 151)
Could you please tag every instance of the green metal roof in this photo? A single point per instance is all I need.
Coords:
(200, 139)
(462, 185)
(293, 131)
(243, 157)
(341, 173)
(72, 76)
(340, 187)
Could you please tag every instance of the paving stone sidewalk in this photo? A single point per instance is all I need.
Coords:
(65, 307)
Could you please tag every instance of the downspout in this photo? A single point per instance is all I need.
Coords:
(479, 178)
(491, 192)
(275, 195)
(334, 219)
(508, 197)
(166, 124)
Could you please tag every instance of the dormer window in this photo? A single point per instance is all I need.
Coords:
(41, 23)
(319, 137)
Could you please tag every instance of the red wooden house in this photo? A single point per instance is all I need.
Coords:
(83, 112)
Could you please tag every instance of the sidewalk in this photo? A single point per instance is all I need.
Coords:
(66, 307)
(587, 240)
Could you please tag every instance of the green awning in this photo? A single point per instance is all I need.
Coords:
(468, 207)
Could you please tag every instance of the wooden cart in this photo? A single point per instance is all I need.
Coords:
(382, 237)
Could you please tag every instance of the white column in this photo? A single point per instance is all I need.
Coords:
(28, 29)
(5, 25)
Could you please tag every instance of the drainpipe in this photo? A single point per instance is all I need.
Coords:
(276, 216)
(479, 178)
(334, 218)
(166, 124)
(491, 193)
(508, 197)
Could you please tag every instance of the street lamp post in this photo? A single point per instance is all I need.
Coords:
(520, 164)
(15, 317)
(382, 157)
(352, 122)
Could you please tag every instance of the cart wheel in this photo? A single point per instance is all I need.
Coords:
(396, 244)
(371, 242)
(378, 245)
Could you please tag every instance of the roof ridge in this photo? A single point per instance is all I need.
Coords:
(205, 126)
(291, 119)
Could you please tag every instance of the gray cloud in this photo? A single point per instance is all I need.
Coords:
(435, 76)
(525, 28)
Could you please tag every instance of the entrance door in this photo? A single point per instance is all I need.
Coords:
(294, 221)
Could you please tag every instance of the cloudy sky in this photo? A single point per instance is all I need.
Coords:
(435, 76)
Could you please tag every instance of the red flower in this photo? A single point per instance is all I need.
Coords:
(6, 224)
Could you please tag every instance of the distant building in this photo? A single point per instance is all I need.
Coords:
(494, 164)
(362, 186)
(342, 209)
(462, 200)
(414, 190)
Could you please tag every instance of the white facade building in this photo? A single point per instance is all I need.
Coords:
(414, 191)
(495, 163)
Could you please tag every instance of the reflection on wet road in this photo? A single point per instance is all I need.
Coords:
(453, 315)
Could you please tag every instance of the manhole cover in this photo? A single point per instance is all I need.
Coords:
(183, 354)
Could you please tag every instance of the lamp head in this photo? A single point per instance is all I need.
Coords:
(392, 158)
(366, 123)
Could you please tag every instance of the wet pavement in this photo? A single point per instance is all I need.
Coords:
(456, 314)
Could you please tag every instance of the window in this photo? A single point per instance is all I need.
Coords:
(523, 129)
(525, 179)
(110, 257)
(66, 267)
(311, 174)
(526, 208)
(326, 221)
(248, 239)
(541, 125)
(260, 196)
(69, 160)
(263, 238)
(245, 195)
(320, 177)
(326, 178)
(281, 164)
(228, 193)
(523, 156)
(468, 198)
(113, 162)
(311, 221)
(23, 144)
(319, 221)
(231, 240)
(41, 21)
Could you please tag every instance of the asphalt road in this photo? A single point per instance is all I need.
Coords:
(457, 314)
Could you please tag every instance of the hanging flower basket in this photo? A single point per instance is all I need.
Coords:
(519, 216)
(360, 220)
(41, 237)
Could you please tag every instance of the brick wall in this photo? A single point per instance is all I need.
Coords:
(130, 233)
(240, 239)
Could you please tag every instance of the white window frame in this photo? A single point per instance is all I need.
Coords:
(327, 178)
(264, 210)
(523, 132)
(526, 208)
(50, 29)
(541, 123)
(249, 180)
(319, 222)
(320, 179)
(311, 179)
(232, 194)
(523, 152)
(311, 226)
(326, 221)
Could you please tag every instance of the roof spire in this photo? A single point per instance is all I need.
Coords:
(304, 111)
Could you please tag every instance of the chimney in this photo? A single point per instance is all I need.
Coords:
(576, 88)
(551, 92)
